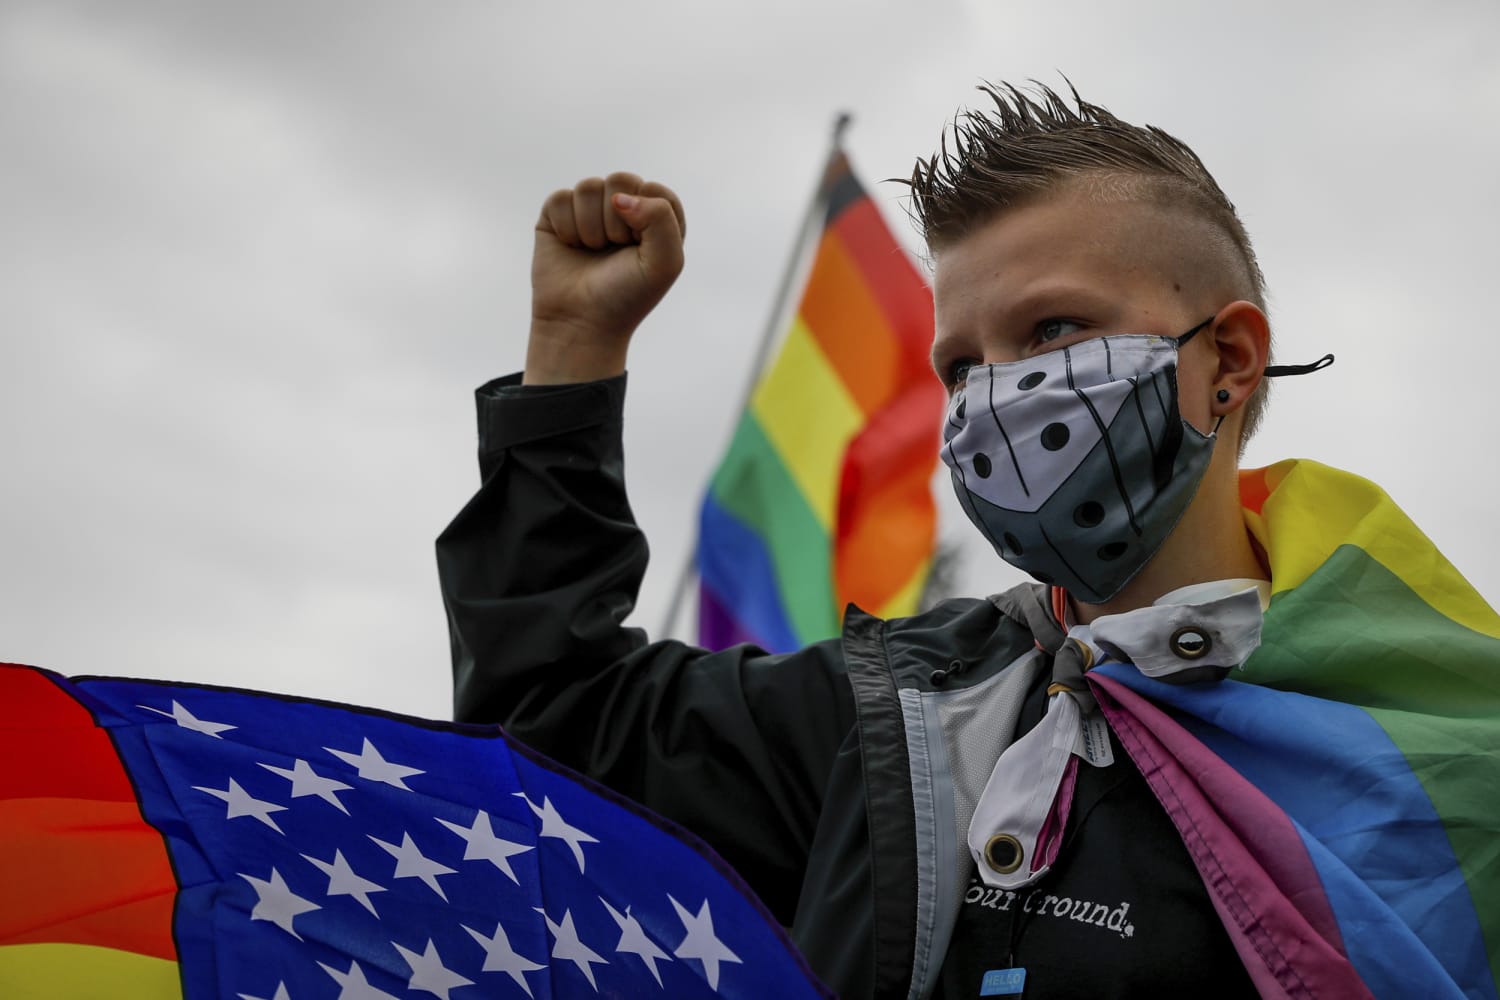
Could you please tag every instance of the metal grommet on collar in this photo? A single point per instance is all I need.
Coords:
(939, 678)
(1003, 853)
(1190, 642)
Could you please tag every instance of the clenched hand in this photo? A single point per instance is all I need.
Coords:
(606, 252)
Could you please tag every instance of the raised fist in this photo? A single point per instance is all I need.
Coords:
(606, 252)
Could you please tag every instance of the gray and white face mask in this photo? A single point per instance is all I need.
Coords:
(1077, 464)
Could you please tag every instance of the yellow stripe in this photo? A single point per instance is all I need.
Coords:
(1313, 509)
(810, 417)
(84, 972)
(904, 602)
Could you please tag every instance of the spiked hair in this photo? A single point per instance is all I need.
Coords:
(1025, 146)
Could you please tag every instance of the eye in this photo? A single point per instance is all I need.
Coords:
(1051, 329)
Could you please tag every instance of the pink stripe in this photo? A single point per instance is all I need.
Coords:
(1049, 839)
(1250, 855)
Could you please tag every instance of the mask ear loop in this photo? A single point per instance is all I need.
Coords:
(1191, 333)
(1271, 371)
(1281, 371)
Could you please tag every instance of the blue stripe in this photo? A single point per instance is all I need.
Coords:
(733, 561)
(1383, 853)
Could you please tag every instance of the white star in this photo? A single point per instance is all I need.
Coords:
(187, 720)
(499, 956)
(701, 943)
(633, 939)
(281, 994)
(242, 803)
(553, 825)
(567, 947)
(428, 973)
(306, 781)
(485, 846)
(373, 767)
(343, 882)
(412, 863)
(353, 985)
(277, 903)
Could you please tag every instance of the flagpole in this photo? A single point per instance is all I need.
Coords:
(811, 218)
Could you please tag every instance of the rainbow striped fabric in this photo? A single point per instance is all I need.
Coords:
(824, 497)
(165, 840)
(1341, 796)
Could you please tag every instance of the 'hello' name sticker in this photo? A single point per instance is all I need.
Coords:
(1002, 983)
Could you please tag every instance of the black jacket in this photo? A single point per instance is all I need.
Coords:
(797, 768)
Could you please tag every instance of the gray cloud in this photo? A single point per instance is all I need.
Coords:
(256, 257)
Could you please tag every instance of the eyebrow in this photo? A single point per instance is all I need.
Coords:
(1041, 301)
(1047, 301)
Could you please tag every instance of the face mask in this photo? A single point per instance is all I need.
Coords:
(1077, 464)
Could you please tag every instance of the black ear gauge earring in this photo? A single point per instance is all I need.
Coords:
(1222, 396)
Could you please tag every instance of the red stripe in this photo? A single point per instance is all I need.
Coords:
(887, 521)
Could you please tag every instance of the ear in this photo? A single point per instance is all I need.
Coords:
(1241, 335)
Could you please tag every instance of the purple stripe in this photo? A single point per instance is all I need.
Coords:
(717, 628)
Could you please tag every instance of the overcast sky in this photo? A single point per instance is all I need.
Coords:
(254, 258)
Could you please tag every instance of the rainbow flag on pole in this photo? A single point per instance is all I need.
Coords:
(1340, 795)
(824, 498)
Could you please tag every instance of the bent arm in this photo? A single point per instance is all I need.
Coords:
(540, 570)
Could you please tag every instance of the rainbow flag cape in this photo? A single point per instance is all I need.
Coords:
(824, 497)
(1341, 795)
(165, 840)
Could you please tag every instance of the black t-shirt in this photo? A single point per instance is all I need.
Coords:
(1123, 913)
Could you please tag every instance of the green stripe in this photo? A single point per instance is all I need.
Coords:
(753, 485)
(1354, 632)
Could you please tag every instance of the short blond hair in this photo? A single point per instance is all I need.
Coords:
(1026, 146)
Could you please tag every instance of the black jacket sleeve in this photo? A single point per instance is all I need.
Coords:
(538, 572)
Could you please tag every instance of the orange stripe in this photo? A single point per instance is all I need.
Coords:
(1060, 607)
(84, 873)
(78, 863)
(900, 292)
(879, 557)
(1254, 489)
(847, 322)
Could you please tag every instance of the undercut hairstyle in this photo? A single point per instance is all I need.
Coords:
(1027, 146)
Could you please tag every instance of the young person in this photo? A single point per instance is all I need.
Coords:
(936, 803)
